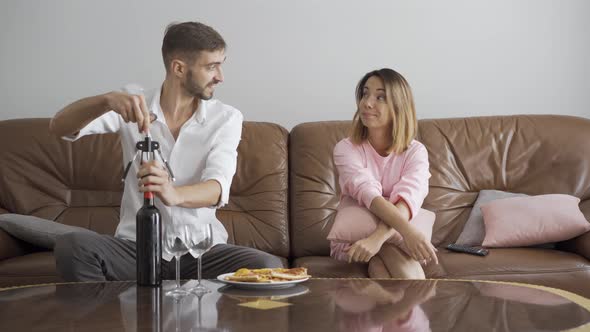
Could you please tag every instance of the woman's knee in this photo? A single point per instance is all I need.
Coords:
(412, 270)
(399, 264)
(406, 270)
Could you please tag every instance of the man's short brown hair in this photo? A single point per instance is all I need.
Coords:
(185, 40)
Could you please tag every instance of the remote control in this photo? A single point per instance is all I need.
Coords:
(467, 250)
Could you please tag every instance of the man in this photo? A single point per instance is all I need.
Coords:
(199, 136)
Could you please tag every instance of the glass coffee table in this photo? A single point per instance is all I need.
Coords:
(314, 305)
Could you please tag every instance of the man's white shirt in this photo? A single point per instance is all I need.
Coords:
(206, 149)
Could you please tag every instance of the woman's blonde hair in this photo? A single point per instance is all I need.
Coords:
(401, 106)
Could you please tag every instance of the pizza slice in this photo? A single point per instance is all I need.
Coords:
(248, 275)
(268, 275)
(296, 273)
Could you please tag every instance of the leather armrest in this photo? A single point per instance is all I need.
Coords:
(10, 246)
(579, 245)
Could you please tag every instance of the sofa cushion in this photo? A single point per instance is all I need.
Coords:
(37, 231)
(509, 261)
(523, 221)
(34, 268)
(327, 267)
(546, 267)
(474, 229)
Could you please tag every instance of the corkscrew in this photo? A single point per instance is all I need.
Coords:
(150, 148)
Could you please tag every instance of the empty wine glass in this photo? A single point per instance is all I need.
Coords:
(199, 242)
(175, 244)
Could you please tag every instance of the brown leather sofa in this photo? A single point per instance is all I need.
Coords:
(285, 192)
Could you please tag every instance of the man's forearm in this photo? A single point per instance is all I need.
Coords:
(199, 195)
(77, 115)
(395, 216)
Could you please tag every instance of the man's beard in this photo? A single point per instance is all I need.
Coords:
(193, 88)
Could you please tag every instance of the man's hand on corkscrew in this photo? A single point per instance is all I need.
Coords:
(132, 108)
(152, 176)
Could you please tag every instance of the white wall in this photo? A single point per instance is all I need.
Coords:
(297, 61)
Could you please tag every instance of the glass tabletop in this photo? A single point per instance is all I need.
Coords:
(314, 305)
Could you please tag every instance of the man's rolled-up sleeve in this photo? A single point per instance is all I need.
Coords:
(106, 123)
(222, 159)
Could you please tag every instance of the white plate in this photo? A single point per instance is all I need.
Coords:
(271, 294)
(258, 285)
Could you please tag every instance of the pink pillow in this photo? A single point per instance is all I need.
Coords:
(525, 221)
(354, 222)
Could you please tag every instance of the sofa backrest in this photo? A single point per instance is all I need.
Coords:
(287, 208)
(257, 214)
(75, 183)
(531, 154)
(313, 185)
(79, 183)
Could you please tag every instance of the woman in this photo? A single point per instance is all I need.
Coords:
(385, 170)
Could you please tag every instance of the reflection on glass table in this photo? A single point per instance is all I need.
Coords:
(317, 305)
(369, 306)
(266, 294)
(185, 313)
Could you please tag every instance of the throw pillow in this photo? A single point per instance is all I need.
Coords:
(474, 230)
(34, 230)
(354, 222)
(525, 221)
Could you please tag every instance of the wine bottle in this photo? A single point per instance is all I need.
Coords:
(149, 243)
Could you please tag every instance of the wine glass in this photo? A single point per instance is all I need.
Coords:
(175, 244)
(200, 240)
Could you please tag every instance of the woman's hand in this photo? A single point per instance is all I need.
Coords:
(363, 250)
(153, 177)
(419, 248)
